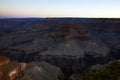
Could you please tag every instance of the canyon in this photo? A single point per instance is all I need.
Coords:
(72, 45)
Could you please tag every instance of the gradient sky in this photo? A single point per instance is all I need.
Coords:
(60, 8)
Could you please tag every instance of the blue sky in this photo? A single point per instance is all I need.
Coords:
(60, 8)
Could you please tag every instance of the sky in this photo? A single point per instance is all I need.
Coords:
(60, 8)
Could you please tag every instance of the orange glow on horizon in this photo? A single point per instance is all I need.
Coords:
(20, 14)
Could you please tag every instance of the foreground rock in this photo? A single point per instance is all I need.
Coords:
(42, 71)
(10, 70)
(31, 71)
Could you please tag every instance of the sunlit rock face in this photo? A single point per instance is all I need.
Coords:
(10, 70)
(28, 71)
(3, 62)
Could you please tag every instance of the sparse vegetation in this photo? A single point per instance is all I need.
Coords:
(110, 72)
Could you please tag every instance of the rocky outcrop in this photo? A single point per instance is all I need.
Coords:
(28, 71)
(10, 70)
(42, 71)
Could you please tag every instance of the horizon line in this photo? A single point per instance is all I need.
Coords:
(55, 17)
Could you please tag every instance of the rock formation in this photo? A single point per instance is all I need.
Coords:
(28, 71)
